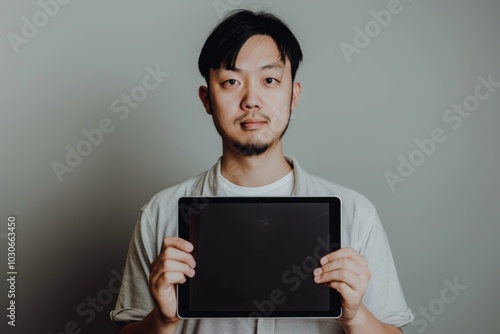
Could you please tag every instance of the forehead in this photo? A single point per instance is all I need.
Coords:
(259, 45)
(258, 53)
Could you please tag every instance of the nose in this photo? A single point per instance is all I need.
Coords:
(251, 99)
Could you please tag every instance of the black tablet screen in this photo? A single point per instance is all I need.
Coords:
(256, 259)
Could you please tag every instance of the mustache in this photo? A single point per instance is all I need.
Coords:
(253, 116)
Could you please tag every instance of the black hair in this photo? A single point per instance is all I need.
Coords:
(225, 41)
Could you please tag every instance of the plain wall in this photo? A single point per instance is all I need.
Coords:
(356, 119)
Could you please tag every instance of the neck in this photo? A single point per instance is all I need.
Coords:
(254, 171)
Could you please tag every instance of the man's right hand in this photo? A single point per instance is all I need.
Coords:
(170, 268)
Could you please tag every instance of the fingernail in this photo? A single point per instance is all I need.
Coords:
(323, 260)
(317, 272)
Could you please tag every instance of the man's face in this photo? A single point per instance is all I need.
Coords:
(251, 104)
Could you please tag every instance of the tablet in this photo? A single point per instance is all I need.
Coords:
(255, 256)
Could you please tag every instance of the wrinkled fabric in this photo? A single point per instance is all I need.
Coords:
(361, 229)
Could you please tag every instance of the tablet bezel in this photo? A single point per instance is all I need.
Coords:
(193, 205)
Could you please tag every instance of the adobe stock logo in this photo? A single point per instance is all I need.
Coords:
(293, 278)
(454, 118)
(437, 306)
(119, 106)
(31, 28)
(90, 308)
(373, 28)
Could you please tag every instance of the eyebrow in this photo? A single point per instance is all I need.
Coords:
(270, 66)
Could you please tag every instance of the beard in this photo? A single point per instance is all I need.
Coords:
(251, 149)
(253, 146)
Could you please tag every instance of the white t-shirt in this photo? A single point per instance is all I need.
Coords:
(361, 230)
(281, 187)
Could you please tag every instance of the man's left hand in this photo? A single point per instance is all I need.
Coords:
(346, 271)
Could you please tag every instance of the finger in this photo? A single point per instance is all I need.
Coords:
(170, 269)
(176, 266)
(171, 266)
(343, 263)
(344, 252)
(171, 253)
(166, 280)
(347, 293)
(355, 282)
(343, 276)
(178, 243)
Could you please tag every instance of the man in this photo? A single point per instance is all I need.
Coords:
(249, 63)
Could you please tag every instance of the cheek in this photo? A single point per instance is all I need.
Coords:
(225, 95)
(223, 119)
(225, 103)
(281, 114)
(221, 115)
(280, 100)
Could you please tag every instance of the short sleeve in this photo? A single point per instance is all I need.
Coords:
(135, 301)
(384, 296)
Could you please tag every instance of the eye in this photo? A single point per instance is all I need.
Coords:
(271, 81)
(231, 82)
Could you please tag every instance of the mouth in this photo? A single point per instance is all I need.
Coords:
(252, 124)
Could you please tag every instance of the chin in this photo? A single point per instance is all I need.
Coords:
(251, 150)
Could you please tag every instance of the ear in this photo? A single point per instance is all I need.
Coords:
(205, 98)
(296, 89)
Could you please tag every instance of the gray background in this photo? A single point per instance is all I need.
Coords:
(353, 121)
